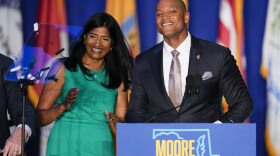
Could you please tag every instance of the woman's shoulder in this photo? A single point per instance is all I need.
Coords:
(58, 64)
(56, 70)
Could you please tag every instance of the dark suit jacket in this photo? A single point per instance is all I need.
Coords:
(149, 97)
(11, 100)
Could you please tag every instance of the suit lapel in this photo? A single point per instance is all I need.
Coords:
(157, 70)
(195, 57)
(194, 65)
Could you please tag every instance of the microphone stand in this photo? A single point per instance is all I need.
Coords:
(154, 117)
(193, 84)
(24, 84)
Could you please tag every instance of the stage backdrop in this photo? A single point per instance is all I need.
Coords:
(203, 23)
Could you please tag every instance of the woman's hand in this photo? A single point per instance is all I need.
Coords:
(113, 120)
(70, 98)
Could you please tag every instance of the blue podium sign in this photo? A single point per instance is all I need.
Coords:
(183, 139)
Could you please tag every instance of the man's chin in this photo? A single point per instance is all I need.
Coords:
(168, 35)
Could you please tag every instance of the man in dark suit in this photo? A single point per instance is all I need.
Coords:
(200, 101)
(11, 101)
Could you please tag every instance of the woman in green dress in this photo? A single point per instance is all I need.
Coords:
(92, 80)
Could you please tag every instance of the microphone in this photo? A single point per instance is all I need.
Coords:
(196, 84)
(194, 89)
(188, 91)
(188, 88)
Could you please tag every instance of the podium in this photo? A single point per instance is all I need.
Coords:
(185, 139)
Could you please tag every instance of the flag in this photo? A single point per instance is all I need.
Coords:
(270, 71)
(51, 39)
(50, 12)
(124, 12)
(230, 33)
(11, 37)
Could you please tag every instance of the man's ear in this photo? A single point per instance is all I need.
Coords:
(187, 17)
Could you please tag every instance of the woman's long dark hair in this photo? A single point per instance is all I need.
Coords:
(118, 62)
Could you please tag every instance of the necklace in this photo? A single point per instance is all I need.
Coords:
(95, 67)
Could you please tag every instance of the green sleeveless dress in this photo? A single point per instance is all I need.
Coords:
(83, 130)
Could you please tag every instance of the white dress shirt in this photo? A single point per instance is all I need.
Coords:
(184, 49)
(27, 129)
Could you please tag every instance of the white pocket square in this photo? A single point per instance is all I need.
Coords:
(207, 75)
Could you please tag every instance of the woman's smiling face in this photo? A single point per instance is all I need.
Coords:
(97, 43)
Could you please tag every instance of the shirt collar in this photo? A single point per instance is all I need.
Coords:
(185, 45)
